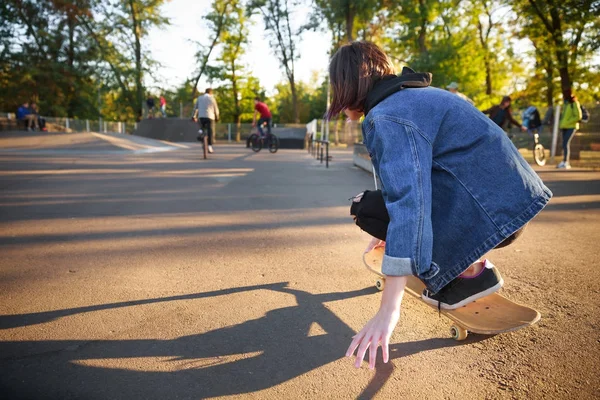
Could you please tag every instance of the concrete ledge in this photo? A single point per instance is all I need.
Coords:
(186, 130)
(361, 157)
(169, 129)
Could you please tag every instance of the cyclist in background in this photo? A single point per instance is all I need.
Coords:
(206, 111)
(501, 113)
(265, 116)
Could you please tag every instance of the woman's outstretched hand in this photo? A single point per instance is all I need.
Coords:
(379, 329)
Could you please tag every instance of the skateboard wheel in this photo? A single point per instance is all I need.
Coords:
(380, 284)
(458, 333)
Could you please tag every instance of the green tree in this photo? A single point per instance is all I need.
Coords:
(118, 30)
(248, 88)
(277, 16)
(573, 27)
(344, 17)
(46, 57)
(217, 21)
(234, 40)
(464, 41)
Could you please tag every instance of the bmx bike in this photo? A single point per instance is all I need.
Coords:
(270, 141)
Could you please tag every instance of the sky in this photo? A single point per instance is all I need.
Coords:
(173, 48)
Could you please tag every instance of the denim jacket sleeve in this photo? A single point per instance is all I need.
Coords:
(402, 157)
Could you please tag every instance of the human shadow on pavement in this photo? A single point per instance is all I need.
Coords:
(238, 359)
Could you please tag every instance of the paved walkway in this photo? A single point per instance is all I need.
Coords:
(137, 275)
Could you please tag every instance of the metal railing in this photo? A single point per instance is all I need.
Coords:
(319, 149)
(58, 124)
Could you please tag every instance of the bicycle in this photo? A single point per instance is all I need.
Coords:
(533, 123)
(539, 152)
(270, 140)
(203, 137)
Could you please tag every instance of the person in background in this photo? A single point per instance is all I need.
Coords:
(22, 113)
(206, 111)
(27, 116)
(265, 116)
(41, 121)
(502, 113)
(150, 105)
(569, 123)
(163, 106)
(453, 88)
(531, 119)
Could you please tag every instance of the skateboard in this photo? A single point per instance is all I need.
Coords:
(489, 315)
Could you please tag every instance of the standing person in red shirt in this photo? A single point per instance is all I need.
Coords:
(163, 106)
(265, 116)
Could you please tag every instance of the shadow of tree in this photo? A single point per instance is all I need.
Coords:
(243, 358)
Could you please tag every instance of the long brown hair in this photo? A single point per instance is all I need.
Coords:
(353, 71)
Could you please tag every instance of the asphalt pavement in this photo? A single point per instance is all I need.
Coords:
(137, 270)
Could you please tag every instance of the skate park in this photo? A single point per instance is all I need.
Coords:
(180, 184)
(135, 262)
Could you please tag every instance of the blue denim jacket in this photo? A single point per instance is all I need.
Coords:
(454, 184)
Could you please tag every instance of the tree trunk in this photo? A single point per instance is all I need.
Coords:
(562, 53)
(71, 101)
(218, 29)
(237, 113)
(563, 69)
(483, 39)
(549, 81)
(295, 101)
(139, 89)
(421, 39)
(349, 21)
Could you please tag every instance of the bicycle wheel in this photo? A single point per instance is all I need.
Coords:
(255, 142)
(273, 143)
(539, 154)
(250, 139)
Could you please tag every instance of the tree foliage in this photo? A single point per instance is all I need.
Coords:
(566, 33)
(46, 57)
(89, 58)
(480, 43)
(277, 17)
(76, 58)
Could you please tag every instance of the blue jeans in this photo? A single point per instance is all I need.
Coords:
(208, 126)
(567, 136)
(261, 121)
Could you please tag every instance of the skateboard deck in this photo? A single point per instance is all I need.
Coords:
(489, 315)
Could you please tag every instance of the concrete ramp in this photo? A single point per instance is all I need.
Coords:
(137, 143)
(185, 130)
(291, 138)
(80, 143)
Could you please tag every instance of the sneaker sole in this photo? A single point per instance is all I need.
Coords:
(466, 301)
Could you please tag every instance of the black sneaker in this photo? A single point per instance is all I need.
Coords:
(463, 291)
